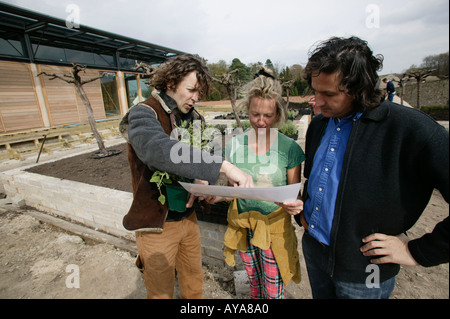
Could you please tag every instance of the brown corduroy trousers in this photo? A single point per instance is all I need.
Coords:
(177, 247)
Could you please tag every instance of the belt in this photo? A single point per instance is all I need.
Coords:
(306, 226)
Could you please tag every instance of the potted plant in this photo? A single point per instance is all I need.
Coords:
(245, 125)
(292, 114)
(197, 134)
(176, 194)
(221, 127)
(289, 129)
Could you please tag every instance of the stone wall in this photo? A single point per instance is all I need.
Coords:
(434, 93)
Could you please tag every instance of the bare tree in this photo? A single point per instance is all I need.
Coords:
(148, 70)
(75, 79)
(287, 86)
(231, 85)
(419, 75)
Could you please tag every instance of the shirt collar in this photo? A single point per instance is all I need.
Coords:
(354, 116)
(170, 102)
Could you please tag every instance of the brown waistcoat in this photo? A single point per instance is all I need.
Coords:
(146, 212)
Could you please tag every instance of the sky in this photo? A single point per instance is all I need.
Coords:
(284, 31)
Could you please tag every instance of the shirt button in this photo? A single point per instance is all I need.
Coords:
(338, 129)
(326, 169)
(320, 189)
(317, 208)
(332, 149)
(312, 226)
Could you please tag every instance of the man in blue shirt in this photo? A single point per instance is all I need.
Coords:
(324, 178)
(390, 89)
(371, 167)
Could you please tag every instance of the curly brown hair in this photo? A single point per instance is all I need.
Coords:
(175, 69)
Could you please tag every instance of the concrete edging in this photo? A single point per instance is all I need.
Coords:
(99, 208)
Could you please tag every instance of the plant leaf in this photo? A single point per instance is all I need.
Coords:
(155, 179)
(162, 199)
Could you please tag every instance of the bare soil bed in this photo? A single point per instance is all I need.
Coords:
(112, 172)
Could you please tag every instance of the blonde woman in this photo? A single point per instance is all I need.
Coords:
(261, 230)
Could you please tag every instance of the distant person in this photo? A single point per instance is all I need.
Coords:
(169, 240)
(262, 231)
(390, 89)
(312, 102)
(370, 171)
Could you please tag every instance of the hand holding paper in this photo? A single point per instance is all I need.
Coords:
(287, 193)
(292, 208)
(192, 196)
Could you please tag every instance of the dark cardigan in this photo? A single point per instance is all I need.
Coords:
(394, 159)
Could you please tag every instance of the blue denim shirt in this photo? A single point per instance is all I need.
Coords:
(324, 178)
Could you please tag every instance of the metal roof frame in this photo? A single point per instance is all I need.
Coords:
(32, 28)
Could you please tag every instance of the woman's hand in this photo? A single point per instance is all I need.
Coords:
(292, 208)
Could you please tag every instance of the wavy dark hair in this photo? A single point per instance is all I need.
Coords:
(357, 66)
(175, 69)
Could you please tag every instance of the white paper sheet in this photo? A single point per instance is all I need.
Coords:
(286, 193)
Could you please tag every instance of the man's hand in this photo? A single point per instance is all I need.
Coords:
(235, 176)
(193, 197)
(392, 249)
(215, 199)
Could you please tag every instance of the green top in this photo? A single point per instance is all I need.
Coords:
(267, 170)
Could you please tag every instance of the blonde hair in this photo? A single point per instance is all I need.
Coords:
(266, 88)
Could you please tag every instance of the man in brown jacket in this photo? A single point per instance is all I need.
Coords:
(168, 239)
